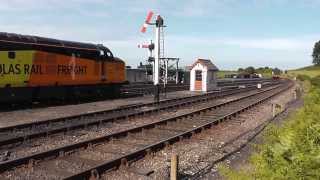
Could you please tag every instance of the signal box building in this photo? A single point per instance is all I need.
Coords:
(203, 76)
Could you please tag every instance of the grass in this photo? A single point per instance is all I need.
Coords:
(265, 74)
(222, 73)
(291, 151)
(311, 71)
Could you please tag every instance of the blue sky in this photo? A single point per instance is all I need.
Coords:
(233, 33)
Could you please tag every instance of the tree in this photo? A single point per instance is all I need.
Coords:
(316, 53)
(259, 69)
(240, 70)
(250, 70)
(276, 71)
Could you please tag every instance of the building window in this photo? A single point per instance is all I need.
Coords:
(198, 75)
(11, 55)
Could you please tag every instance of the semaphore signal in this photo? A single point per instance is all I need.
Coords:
(158, 51)
(147, 22)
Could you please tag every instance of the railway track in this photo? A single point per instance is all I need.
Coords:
(248, 136)
(143, 89)
(127, 91)
(17, 142)
(84, 158)
(21, 133)
(230, 82)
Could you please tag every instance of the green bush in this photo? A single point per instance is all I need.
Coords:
(291, 151)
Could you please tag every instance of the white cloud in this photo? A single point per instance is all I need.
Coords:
(295, 43)
(271, 44)
(81, 7)
(234, 52)
(127, 50)
(64, 32)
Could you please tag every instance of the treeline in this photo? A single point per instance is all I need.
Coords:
(260, 70)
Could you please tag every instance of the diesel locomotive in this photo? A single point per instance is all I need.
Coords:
(35, 68)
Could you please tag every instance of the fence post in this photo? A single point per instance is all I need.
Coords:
(174, 167)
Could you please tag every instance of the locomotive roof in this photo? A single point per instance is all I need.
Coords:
(13, 41)
(37, 40)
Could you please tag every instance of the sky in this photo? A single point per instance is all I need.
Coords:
(232, 33)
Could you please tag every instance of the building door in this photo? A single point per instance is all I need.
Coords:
(198, 82)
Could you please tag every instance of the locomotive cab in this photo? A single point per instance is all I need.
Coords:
(105, 53)
(104, 56)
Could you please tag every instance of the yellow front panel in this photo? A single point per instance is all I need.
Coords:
(12, 71)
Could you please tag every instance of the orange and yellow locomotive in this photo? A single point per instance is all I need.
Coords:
(33, 68)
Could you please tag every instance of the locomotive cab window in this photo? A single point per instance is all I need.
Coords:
(11, 55)
(101, 53)
(198, 75)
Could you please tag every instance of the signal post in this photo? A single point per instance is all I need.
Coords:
(159, 24)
